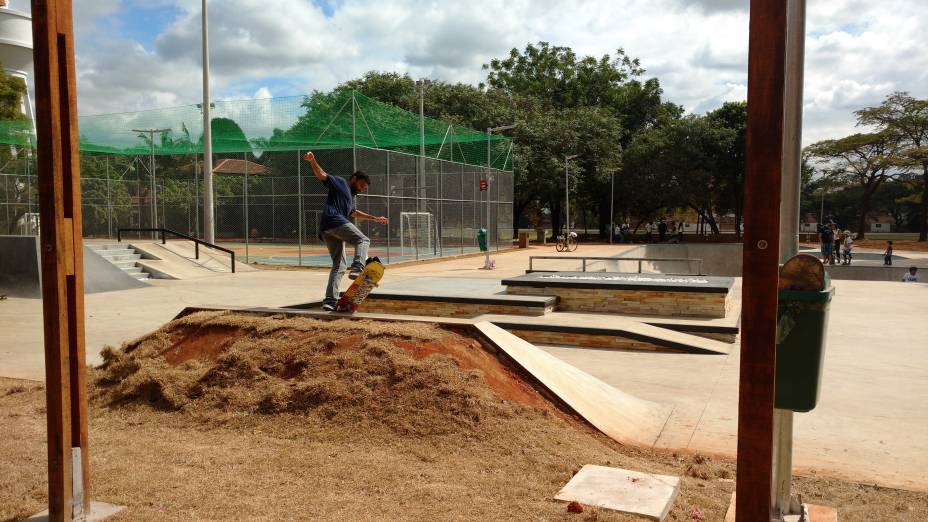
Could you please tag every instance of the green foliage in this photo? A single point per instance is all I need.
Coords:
(12, 91)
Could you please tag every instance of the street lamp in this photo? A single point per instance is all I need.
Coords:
(209, 229)
(490, 131)
(567, 191)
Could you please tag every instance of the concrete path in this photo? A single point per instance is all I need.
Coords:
(871, 421)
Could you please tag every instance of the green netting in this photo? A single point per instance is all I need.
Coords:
(340, 119)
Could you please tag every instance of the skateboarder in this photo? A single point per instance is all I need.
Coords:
(336, 228)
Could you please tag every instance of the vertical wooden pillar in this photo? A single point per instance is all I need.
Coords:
(62, 257)
(766, 85)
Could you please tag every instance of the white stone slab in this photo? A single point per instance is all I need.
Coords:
(622, 490)
(98, 511)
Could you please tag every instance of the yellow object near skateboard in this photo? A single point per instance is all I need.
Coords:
(358, 291)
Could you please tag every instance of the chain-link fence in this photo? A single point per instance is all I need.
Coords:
(267, 207)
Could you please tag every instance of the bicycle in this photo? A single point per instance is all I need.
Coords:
(566, 243)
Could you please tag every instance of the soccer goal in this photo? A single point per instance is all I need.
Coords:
(417, 233)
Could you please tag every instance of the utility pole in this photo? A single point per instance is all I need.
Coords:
(209, 230)
(612, 209)
(490, 131)
(567, 192)
(151, 171)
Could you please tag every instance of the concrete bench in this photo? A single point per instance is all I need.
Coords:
(450, 304)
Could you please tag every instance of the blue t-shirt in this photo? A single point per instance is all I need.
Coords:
(339, 204)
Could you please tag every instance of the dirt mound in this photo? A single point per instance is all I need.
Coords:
(414, 378)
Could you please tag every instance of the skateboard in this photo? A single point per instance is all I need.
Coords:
(361, 287)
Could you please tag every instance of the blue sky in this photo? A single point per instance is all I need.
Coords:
(134, 55)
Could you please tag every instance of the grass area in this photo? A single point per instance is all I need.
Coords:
(225, 416)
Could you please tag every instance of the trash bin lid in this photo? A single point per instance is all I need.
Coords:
(821, 296)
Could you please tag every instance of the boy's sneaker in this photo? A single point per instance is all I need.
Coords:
(355, 271)
(328, 307)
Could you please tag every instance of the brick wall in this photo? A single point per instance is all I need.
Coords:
(588, 340)
(444, 309)
(644, 302)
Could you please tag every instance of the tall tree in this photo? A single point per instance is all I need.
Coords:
(732, 116)
(864, 160)
(906, 119)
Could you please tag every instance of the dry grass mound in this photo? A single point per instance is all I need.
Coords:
(414, 378)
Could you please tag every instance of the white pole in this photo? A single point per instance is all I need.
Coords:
(612, 208)
(567, 197)
(208, 227)
(489, 132)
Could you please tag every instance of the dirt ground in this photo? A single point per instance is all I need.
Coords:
(226, 416)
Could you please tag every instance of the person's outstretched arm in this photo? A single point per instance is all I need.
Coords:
(317, 170)
(364, 216)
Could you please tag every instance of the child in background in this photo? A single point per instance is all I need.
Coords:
(888, 255)
(848, 244)
(911, 276)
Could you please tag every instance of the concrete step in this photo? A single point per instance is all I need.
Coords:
(131, 269)
(127, 256)
(141, 276)
(109, 246)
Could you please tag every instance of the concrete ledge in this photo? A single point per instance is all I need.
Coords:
(449, 305)
(623, 281)
(626, 337)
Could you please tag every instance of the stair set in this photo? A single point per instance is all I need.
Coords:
(124, 257)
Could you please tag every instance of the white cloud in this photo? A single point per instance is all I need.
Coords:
(857, 51)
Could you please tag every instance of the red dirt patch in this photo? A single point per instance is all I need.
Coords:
(470, 355)
(199, 343)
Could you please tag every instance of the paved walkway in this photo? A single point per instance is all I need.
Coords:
(870, 424)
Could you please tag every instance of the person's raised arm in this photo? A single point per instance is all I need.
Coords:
(364, 216)
(317, 170)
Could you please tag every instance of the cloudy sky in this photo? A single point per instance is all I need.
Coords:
(134, 55)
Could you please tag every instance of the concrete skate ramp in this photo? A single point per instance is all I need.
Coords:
(19, 266)
(20, 270)
(623, 417)
(723, 259)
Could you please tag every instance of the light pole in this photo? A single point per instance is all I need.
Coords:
(490, 131)
(567, 192)
(420, 177)
(612, 209)
(208, 227)
(151, 171)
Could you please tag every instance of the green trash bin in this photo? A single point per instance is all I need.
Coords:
(482, 240)
(801, 327)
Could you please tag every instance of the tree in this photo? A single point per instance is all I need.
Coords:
(865, 160)
(18, 190)
(732, 116)
(905, 119)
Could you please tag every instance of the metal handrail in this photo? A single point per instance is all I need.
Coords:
(583, 260)
(165, 231)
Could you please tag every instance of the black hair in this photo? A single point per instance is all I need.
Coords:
(362, 176)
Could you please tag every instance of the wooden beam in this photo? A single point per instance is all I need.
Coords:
(766, 85)
(58, 170)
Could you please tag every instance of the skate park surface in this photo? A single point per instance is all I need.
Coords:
(869, 425)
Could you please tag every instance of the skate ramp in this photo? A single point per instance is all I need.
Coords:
(620, 416)
(722, 259)
(20, 270)
(623, 417)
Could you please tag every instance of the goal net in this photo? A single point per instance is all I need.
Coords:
(417, 233)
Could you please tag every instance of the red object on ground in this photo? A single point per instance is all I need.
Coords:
(574, 507)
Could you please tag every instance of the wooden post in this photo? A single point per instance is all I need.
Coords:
(766, 84)
(62, 258)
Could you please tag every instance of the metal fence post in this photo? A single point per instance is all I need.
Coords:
(245, 202)
(299, 208)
